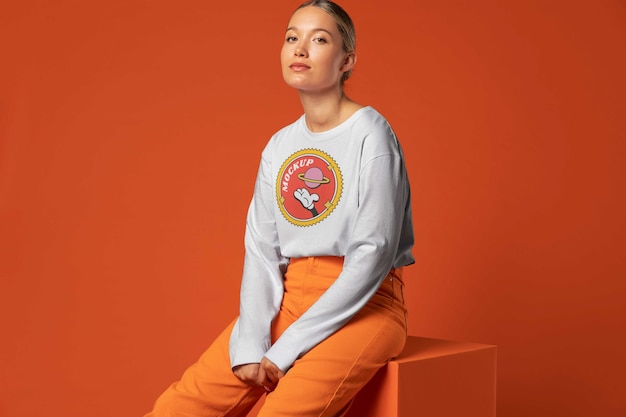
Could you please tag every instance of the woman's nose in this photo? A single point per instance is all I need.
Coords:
(300, 51)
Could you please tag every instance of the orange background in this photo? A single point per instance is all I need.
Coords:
(130, 133)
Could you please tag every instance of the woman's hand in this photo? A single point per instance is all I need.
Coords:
(269, 374)
(248, 373)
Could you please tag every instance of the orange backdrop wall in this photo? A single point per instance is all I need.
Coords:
(130, 133)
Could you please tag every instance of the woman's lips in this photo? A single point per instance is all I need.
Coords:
(299, 67)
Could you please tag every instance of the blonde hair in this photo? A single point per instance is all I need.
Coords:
(344, 24)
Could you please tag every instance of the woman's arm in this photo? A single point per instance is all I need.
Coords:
(262, 281)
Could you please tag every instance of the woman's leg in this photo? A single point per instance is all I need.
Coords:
(325, 380)
(208, 388)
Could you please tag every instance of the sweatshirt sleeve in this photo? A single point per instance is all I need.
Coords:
(262, 281)
(373, 243)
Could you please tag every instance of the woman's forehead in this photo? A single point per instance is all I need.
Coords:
(312, 18)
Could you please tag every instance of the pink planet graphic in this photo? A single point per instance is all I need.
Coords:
(313, 177)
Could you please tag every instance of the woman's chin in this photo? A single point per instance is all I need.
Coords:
(296, 82)
(307, 87)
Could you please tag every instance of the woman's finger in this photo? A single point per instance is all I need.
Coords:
(247, 373)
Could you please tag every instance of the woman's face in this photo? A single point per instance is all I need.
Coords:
(312, 56)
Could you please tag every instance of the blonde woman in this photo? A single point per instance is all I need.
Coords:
(328, 233)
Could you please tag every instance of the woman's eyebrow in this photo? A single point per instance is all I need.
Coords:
(314, 30)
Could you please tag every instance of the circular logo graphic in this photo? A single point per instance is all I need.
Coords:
(308, 187)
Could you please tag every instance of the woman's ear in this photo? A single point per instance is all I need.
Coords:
(349, 62)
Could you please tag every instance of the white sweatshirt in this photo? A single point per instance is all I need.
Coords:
(342, 192)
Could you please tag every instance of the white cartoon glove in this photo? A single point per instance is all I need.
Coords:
(307, 200)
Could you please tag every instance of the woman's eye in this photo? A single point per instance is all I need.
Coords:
(320, 40)
(291, 39)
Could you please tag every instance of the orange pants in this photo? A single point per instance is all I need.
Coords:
(322, 382)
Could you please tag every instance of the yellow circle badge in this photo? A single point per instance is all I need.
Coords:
(308, 187)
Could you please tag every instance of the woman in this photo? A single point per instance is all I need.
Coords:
(328, 231)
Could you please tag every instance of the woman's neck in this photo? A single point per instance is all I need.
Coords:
(325, 111)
